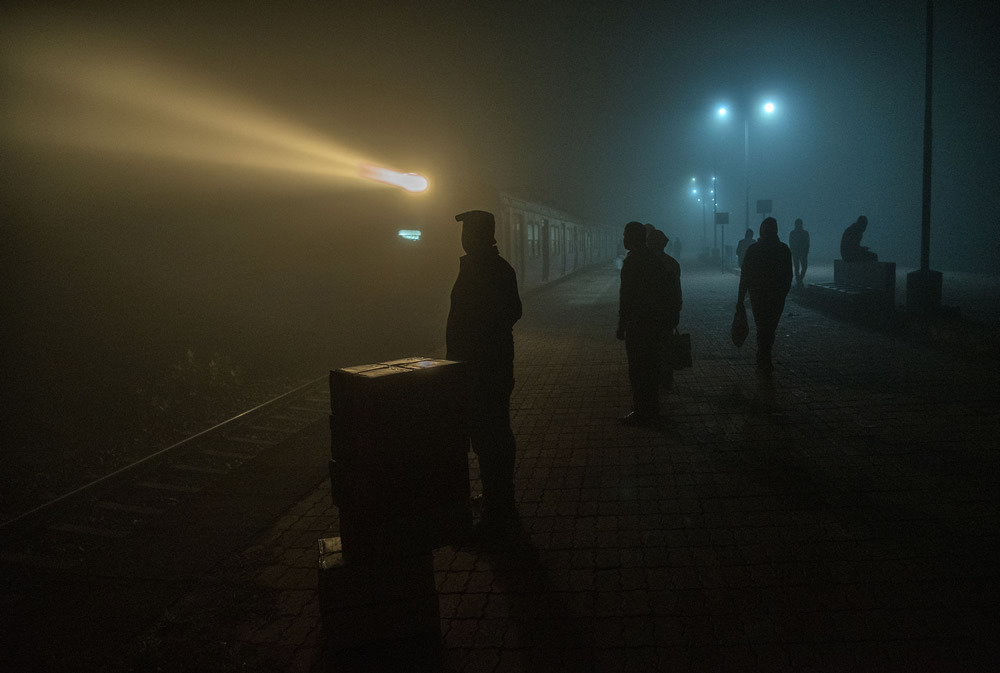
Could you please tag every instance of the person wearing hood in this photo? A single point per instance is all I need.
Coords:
(766, 276)
(671, 301)
(485, 304)
(851, 249)
(798, 243)
(743, 245)
(640, 325)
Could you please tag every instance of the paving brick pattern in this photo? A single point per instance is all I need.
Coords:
(840, 516)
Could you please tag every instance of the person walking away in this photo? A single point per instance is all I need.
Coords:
(798, 243)
(743, 245)
(485, 304)
(639, 325)
(670, 282)
(766, 275)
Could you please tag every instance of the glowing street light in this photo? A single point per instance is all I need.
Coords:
(767, 108)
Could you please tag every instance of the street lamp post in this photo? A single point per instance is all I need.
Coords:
(923, 287)
(746, 167)
(768, 108)
(704, 229)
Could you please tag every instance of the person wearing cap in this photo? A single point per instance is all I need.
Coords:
(851, 249)
(640, 302)
(485, 304)
(798, 243)
(766, 276)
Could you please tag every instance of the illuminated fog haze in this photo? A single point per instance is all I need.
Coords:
(192, 178)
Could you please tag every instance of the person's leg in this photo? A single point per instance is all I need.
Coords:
(633, 351)
(766, 314)
(643, 351)
(651, 382)
(495, 446)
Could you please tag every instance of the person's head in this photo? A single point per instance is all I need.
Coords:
(634, 236)
(798, 223)
(862, 223)
(769, 229)
(749, 234)
(478, 227)
(657, 240)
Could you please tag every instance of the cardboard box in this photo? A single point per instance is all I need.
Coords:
(399, 456)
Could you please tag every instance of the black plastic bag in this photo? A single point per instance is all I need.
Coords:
(740, 328)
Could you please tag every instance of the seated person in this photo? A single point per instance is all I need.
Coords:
(851, 249)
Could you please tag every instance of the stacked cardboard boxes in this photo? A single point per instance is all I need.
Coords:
(400, 479)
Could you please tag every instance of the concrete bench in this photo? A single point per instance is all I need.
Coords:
(879, 278)
(844, 298)
(865, 290)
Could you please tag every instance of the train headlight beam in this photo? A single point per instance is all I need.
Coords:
(411, 182)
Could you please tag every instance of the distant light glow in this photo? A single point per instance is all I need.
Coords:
(410, 234)
(411, 182)
(694, 191)
(768, 108)
(723, 111)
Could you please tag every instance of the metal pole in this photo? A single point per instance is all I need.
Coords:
(746, 163)
(704, 230)
(925, 224)
(704, 222)
(715, 212)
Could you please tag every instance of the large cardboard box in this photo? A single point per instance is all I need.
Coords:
(399, 456)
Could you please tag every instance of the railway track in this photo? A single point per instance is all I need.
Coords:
(60, 534)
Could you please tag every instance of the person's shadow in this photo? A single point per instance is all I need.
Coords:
(542, 632)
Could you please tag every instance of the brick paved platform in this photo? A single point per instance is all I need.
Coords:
(841, 516)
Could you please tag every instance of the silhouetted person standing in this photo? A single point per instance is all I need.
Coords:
(484, 307)
(851, 249)
(798, 243)
(671, 301)
(640, 302)
(767, 276)
(743, 245)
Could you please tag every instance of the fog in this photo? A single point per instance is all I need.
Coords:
(180, 184)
